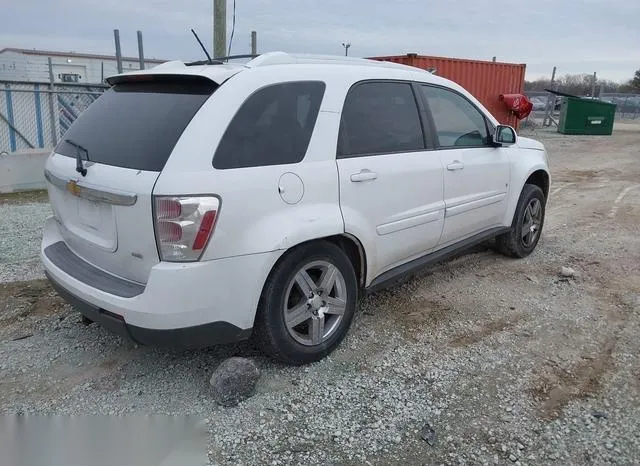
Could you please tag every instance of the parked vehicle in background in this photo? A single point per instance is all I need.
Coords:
(196, 205)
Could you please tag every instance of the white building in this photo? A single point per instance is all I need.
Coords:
(31, 66)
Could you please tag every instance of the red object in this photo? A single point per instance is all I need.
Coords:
(169, 208)
(519, 104)
(169, 232)
(205, 230)
(486, 80)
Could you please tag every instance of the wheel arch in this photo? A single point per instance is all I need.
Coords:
(351, 246)
(537, 174)
(541, 179)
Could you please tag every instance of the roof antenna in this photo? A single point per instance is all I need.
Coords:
(203, 48)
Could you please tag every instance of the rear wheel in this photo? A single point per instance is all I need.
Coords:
(307, 304)
(527, 224)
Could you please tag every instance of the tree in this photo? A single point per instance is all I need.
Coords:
(635, 82)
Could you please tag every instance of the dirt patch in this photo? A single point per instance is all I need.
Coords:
(25, 197)
(488, 329)
(581, 380)
(26, 301)
(413, 313)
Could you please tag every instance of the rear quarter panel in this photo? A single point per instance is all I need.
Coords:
(253, 217)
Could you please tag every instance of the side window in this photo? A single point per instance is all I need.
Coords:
(272, 127)
(458, 123)
(380, 117)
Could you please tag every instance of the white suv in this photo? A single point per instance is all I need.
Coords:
(201, 204)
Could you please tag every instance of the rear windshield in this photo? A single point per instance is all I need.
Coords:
(136, 125)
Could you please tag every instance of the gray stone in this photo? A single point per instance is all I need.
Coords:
(234, 380)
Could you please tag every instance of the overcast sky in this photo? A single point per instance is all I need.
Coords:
(578, 36)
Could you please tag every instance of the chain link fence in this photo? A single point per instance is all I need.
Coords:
(36, 115)
(627, 105)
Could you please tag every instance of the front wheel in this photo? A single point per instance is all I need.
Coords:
(307, 304)
(527, 224)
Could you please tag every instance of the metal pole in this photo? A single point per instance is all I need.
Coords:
(624, 106)
(101, 72)
(593, 85)
(219, 28)
(254, 43)
(140, 50)
(116, 36)
(346, 48)
(52, 113)
(551, 100)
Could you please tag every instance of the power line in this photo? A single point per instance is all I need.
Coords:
(233, 27)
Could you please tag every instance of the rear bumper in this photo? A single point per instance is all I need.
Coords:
(189, 305)
(198, 336)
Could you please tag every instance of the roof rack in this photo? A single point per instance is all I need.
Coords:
(283, 58)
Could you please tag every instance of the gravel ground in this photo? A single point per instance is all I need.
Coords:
(23, 216)
(481, 360)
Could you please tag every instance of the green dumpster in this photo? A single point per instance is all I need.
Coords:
(586, 116)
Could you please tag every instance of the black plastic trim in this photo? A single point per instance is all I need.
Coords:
(63, 258)
(196, 337)
(396, 274)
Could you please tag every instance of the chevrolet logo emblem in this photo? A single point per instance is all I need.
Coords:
(73, 188)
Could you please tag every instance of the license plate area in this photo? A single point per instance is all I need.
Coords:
(89, 221)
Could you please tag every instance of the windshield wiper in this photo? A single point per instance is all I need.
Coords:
(79, 167)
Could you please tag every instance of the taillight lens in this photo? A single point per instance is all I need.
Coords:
(184, 225)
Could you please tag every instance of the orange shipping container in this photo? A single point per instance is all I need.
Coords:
(486, 80)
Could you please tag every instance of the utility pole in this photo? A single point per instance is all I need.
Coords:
(593, 86)
(346, 48)
(254, 43)
(116, 37)
(140, 50)
(219, 28)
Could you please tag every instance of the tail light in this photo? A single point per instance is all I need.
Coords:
(183, 226)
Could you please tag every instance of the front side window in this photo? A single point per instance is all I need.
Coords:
(272, 127)
(378, 118)
(458, 123)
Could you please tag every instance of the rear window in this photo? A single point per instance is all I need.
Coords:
(136, 125)
(272, 127)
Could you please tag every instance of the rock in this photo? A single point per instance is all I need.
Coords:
(513, 458)
(599, 414)
(428, 434)
(533, 279)
(608, 445)
(568, 272)
(234, 380)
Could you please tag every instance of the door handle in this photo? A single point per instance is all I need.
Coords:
(364, 175)
(455, 165)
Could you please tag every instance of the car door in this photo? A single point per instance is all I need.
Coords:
(391, 185)
(476, 173)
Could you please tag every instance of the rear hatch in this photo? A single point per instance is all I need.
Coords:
(123, 140)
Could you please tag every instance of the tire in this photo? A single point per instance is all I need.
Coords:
(529, 215)
(297, 329)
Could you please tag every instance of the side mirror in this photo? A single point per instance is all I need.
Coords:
(504, 135)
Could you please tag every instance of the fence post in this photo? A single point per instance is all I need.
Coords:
(52, 106)
(624, 106)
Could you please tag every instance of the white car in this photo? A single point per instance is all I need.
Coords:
(197, 205)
